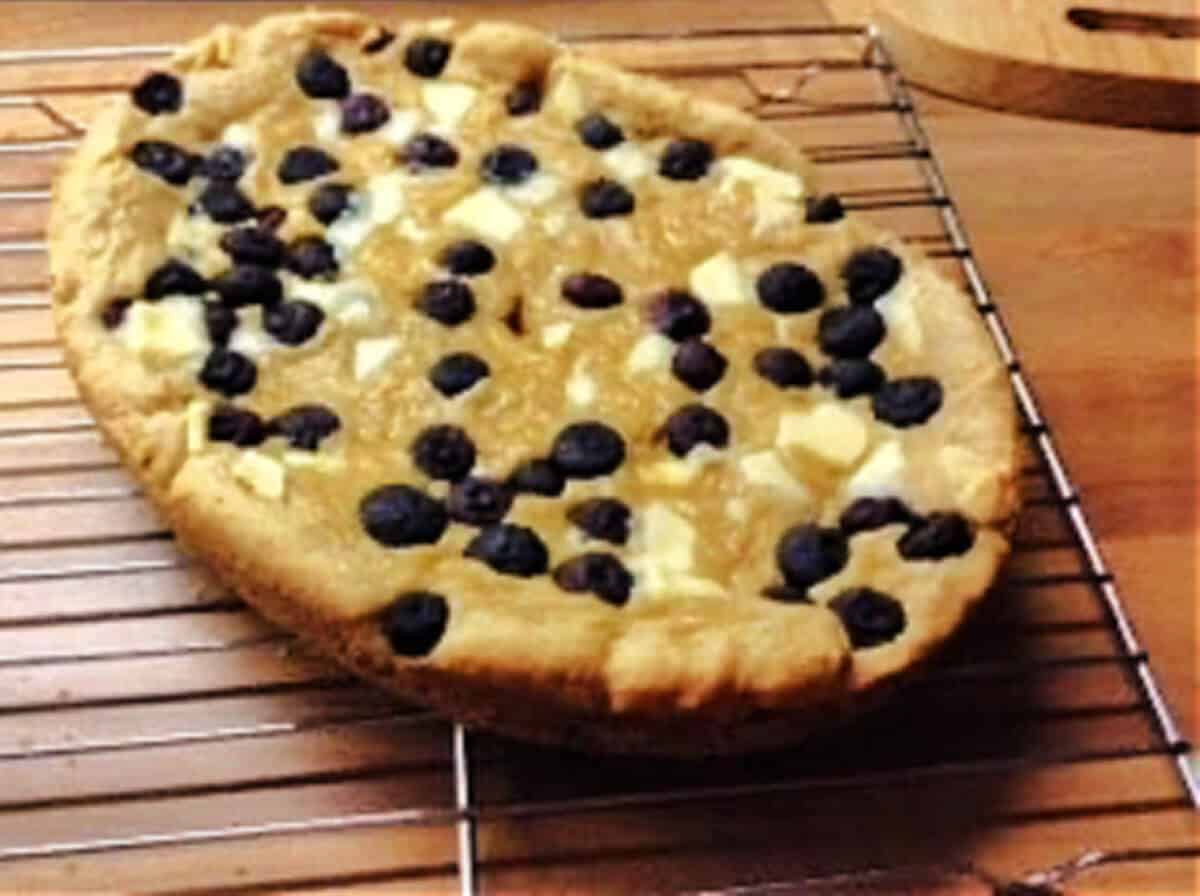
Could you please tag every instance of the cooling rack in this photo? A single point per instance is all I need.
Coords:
(154, 734)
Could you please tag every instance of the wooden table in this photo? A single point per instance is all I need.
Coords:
(1088, 237)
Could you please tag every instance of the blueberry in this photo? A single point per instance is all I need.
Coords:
(224, 163)
(328, 201)
(271, 217)
(597, 573)
(525, 98)
(512, 550)
(426, 56)
(592, 291)
(294, 322)
(114, 313)
(429, 151)
(311, 257)
(303, 163)
(478, 501)
(443, 452)
(467, 258)
(823, 209)
(692, 425)
(807, 554)
(605, 198)
(379, 42)
(225, 203)
(784, 367)
(228, 372)
(306, 426)
(603, 518)
(587, 450)
(364, 112)
(698, 365)
(908, 401)
(415, 622)
(538, 477)
(253, 245)
(237, 425)
(870, 617)
(789, 288)
(166, 160)
(174, 278)
(456, 373)
(851, 331)
(158, 93)
(787, 594)
(449, 302)
(867, 514)
(400, 515)
(685, 160)
(508, 165)
(871, 273)
(248, 284)
(851, 377)
(598, 131)
(322, 77)
(220, 321)
(938, 536)
(679, 315)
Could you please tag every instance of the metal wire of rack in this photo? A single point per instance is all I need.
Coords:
(49, 458)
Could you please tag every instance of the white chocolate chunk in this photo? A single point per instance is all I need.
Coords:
(332, 298)
(370, 355)
(447, 101)
(770, 213)
(764, 179)
(166, 332)
(239, 135)
(676, 471)
(556, 335)
(195, 239)
(828, 431)
(381, 202)
(652, 352)
(899, 312)
(401, 126)
(683, 585)
(196, 421)
(386, 196)
(487, 214)
(666, 538)
(718, 281)
(566, 98)
(628, 161)
(251, 340)
(263, 475)
(538, 190)
(882, 475)
(669, 471)
(315, 461)
(581, 388)
(766, 469)
(355, 312)
(328, 124)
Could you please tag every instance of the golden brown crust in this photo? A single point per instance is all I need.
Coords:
(714, 676)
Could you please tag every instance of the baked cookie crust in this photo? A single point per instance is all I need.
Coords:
(644, 253)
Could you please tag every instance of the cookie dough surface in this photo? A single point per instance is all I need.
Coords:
(505, 375)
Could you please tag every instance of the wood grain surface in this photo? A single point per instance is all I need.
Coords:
(1088, 238)
(1128, 62)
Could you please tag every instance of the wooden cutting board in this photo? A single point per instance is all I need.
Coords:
(1125, 62)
